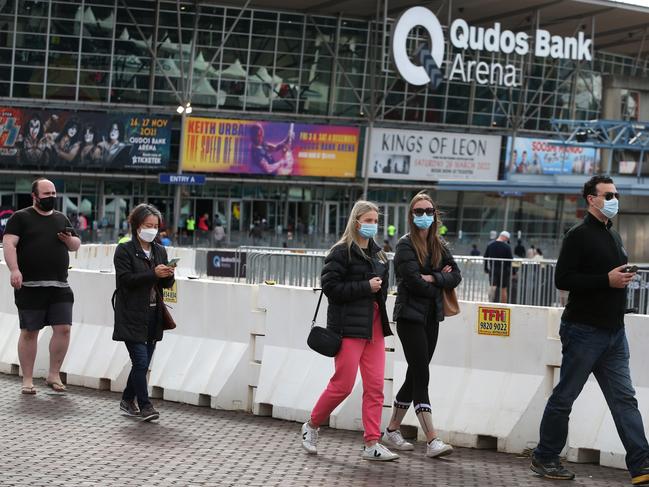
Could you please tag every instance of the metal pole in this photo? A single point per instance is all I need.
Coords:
(366, 157)
(178, 191)
(154, 46)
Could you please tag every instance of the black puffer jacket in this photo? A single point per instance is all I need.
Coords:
(414, 295)
(345, 281)
(135, 276)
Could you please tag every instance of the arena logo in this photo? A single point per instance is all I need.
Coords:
(472, 38)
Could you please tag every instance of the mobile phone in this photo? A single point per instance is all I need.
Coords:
(631, 268)
(173, 262)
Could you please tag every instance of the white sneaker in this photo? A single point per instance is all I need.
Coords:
(394, 439)
(437, 448)
(378, 452)
(310, 438)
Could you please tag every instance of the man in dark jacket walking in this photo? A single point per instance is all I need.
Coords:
(497, 264)
(592, 265)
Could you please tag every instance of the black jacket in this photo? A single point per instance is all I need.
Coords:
(590, 250)
(345, 281)
(135, 276)
(414, 295)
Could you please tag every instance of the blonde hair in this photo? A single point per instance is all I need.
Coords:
(350, 235)
(430, 245)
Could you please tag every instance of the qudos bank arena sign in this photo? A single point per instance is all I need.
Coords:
(477, 39)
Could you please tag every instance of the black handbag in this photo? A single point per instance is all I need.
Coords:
(323, 340)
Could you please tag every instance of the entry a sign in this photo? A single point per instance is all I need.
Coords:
(195, 179)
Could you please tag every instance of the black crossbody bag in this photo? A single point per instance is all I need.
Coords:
(323, 340)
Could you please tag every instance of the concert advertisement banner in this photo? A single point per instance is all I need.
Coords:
(547, 156)
(52, 139)
(283, 149)
(426, 156)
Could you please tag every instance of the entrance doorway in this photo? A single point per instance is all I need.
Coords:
(115, 212)
(397, 215)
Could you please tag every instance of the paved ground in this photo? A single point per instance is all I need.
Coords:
(80, 439)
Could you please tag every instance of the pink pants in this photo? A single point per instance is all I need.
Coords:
(370, 355)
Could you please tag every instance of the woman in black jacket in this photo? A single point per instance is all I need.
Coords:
(141, 272)
(355, 281)
(424, 268)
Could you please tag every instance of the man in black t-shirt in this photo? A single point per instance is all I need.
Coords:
(36, 245)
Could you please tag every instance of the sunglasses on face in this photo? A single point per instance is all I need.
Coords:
(420, 211)
(609, 196)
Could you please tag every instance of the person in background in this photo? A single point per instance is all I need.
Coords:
(122, 237)
(36, 244)
(592, 265)
(219, 231)
(355, 281)
(191, 227)
(392, 235)
(538, 255)
(141, 271)
(474, 250)
(531, 252)
(386, 246)
(519, 250)
(497, 264)
(164, 239)
(424, 267)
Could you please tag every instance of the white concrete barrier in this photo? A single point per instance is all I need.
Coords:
(241, 346)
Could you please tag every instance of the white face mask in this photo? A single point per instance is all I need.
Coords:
(147, 234)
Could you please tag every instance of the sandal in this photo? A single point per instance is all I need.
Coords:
(55, 386)
(31, 390)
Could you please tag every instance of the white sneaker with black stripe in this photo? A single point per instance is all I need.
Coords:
(378, 453)
(310, 439)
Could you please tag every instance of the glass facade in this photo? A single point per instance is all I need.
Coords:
(152, 56)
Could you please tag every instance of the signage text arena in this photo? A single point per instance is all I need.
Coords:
(466, 37)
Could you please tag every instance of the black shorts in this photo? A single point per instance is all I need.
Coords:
(43, 306)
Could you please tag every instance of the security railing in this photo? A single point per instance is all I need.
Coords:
(517, 281)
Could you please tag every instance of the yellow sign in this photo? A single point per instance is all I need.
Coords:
(171, 295)
(493, 321)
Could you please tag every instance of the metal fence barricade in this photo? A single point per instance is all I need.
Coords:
(515, 281)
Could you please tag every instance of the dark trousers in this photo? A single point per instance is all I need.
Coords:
(419, 342)
(605, 353)
(141, 354)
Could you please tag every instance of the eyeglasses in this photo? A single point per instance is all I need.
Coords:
(609, 196)
(430, 211)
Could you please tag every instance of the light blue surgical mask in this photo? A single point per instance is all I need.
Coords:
(368, 230)
(424, 221)
(610, 208)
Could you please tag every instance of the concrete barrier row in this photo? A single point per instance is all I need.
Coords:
(243, 347)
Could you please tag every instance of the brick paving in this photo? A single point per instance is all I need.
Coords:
(80, 439)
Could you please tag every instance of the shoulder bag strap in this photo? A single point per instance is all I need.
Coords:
(317, 308)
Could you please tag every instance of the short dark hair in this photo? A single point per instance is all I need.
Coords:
(590, 187)
(140, 213)
(35, 185)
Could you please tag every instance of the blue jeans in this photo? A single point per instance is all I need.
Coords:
(605, 353)
(140, 354)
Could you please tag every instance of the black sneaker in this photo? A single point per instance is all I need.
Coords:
(129, 408)
(551, 470)
(641, 477)
(148, 413)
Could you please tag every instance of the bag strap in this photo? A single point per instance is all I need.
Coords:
(317, 308)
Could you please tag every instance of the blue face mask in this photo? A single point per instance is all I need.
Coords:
(368, 230)
(424, 221)
(610, 208)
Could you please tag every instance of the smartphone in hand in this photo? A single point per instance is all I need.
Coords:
(631, 269)
(173, 262)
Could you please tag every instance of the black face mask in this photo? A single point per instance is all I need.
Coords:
(46, 204)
